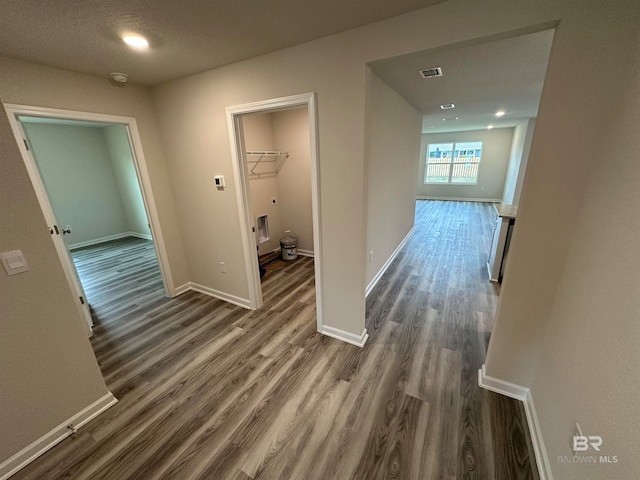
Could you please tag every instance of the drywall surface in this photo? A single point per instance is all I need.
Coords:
(392, 152)
(117, 142)
(291, 134)
(26, 83)
(518, 158)
(587, 371)
(193, 120)
(48, 371)
(496, 144)
(76, 170)
(565, 149)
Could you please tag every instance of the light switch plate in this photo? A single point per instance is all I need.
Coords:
(14, 262)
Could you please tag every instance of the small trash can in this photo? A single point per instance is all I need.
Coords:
(289, 246)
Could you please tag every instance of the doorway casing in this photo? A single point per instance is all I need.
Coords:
(14, 111)
(241, 178)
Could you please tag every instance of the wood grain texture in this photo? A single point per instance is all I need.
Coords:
(209, 390)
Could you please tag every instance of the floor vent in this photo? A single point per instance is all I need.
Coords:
(431, 72)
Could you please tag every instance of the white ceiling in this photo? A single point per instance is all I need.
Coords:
(186, 36)
(479, 79)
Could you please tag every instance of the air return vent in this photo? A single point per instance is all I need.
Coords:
(431, 72)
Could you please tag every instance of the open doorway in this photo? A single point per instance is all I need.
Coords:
(279, 165)
(89, 175)
(276, 173)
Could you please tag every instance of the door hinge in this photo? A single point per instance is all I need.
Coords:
(253, 229)
(26, 144)
(81, 300)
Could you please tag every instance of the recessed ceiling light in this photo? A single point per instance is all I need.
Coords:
(457, 118)
(489, 127)
(135, 41)
(500, 113)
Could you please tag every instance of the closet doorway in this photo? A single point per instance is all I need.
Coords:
(276, 173)
(90, 178)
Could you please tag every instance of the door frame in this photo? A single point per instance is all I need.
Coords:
(14, 111)
(241, 178)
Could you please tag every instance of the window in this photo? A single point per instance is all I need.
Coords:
(453, 162)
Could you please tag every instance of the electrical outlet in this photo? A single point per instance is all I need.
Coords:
(223, 267)
(370, 255)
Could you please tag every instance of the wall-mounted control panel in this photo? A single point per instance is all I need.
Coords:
(14, 262)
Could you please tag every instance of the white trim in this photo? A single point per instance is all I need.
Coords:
(501, 386)
(542, 459)
(212, 292)
(144, 236)
(305, 253)
(523, 394)
(139, 163)
(182, 289)
(395, 253)
(459, 199)
(353, 339)
(55, 436)
(241, 179)
(108, 238)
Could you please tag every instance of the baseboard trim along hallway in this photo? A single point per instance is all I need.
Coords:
(523, 394)
(358, 340)
(378, 275)
(55, 436)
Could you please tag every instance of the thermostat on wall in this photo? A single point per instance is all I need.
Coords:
(219, 181)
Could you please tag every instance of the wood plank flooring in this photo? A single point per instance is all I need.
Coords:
(212, 391)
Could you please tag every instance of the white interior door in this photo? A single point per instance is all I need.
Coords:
(54, 228)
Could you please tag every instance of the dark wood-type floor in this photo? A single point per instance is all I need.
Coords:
(212, 391)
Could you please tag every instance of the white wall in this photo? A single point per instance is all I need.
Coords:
(119, 149)
(496, 144)
(77, 173)
(27, 83)
(392, 151)
(291, 134)
(588, 368)
(518, 158)
(334, 68)
(48, 372)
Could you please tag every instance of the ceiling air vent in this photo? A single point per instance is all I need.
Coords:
(431, 72)
(447, 106)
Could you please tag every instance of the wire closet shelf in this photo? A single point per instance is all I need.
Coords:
(265, 163)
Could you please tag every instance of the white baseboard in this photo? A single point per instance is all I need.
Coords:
(501, 386)
(212, 292)
(353, 339)
(378, 275)
(109, 238)
(145, 236)
(305, 253)
(542, 459)
(524, 395)
(460, 199)
(181, 289)
(55, 436)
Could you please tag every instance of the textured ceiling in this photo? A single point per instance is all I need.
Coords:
(479, 79)
(186, 37)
